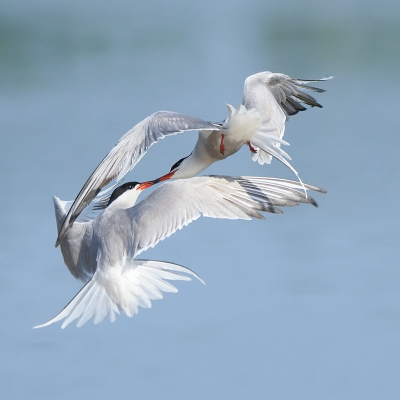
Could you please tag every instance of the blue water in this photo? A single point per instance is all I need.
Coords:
(304, 305)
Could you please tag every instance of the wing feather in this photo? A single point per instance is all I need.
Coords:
(127, 153)
(288, 92)
(175, 204)
(277, 97)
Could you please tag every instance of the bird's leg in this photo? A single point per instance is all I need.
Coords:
(221, 146)
(252, 149)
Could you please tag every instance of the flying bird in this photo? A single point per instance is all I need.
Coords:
(102, 252)
(269, 100)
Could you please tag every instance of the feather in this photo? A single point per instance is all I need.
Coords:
(96, 300)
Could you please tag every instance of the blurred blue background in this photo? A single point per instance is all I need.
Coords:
(304, 305)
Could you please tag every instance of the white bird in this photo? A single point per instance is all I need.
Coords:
(269, 99)
(277, 97)
(102, 253)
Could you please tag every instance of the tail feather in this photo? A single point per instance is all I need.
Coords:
(139, 282)
(278, 153)
(249, 125)
(242, 124)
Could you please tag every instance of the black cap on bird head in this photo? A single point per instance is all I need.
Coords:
(121, 190)
(178, 163)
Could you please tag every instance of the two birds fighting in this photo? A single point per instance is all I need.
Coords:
(101, 234)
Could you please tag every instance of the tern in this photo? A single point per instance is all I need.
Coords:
(269, 100)
(102, 252)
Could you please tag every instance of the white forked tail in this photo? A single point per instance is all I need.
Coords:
(250, 126)
(140, 282)
(278, 153)
(243, 124)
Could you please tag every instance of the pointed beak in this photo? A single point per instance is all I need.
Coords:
(146, 185)
(166, 177)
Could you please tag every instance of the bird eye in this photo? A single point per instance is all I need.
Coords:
(178, 163)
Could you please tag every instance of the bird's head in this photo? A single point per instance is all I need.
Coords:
(186, 167)
(125, 196)
(181, 169)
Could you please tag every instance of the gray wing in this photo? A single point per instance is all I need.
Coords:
(177, 203)
(127, 153)
(276, 97)
(289, 92)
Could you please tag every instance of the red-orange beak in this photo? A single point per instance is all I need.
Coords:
(146, 185)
